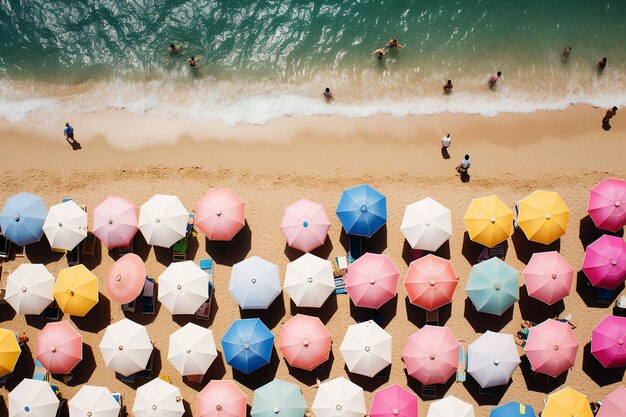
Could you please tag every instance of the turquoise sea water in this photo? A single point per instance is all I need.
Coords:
(264, 59)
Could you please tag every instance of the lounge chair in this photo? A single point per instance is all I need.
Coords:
(20, 251)
(429, 391)
(123, 250)
(461, 373)
(130, 379)
(488, 253)
(120, 400)
(129, 307)
(51, 313)
(204, 312)
(88, 246)
(73, 256)
(355, 248)
(195, 379)
(384, 374)
(340, 266)
(147, 297)
(432, 317)
(147, 373)
(620, 307)
(604, 296)
(5, 247)
(179, 249)
(40, 373)
(340, 286)
(4, 277)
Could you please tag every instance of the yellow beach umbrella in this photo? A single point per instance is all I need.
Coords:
(488, 220)
(76, 290)
(9, 351)
(567, 403)
(543, 216)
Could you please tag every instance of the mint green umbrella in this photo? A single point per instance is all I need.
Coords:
(493, 286)
(278, 399)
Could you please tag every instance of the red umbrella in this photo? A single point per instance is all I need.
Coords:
(430, 282)
(372, 280)
(59, 347)
(126, 279)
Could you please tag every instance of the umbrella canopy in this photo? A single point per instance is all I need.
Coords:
(488, 220)
(254, 283)
(426, 224)
(614, 404)
(493, 286)
(450, 406)
(362, 210)
(551, 347)
(608, 341)
(126, 347)
(192, 349)
(22, 218)
(220, 214)
(339, 397)
(76, 290)
(492, 359)
(366, 348)
(305, 342)
(607, 204)
(548, 277)
(394, 401)
(29, 289)
(431, 355)
(567, 403)
(163, 220)
(309, 281)
(247, 345)
(59, 347)
(183, 287)
(305, 225)
(115, 222)
(605, 262)
(543, 216)
(221, 398)
(158, 398)
(126, 278)
(278, 397)
(430, 282)
(65, 225)
(9, 351)
(372, 280)
(33, 398)
(513, 409)
(91, 401)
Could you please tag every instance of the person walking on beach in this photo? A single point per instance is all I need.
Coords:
(494, 79)
(446, 141)
(447, 87)
(602, 64)
(609, 115)
(69, 133)
(193, 62)
(463, 166)
(393, 43)
(379, 53)
(328, 94)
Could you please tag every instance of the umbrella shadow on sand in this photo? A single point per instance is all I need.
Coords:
(409, 255)
(440, 389)
(382, 316)
(182, 319)
(598, 373)
(24, 368)
(217, 370)
(41, 252)
(417, 315)
(85, 368)
(323, 251)
(472, 250)
(488, 396)
(310, 378)
(270, 316)
(481, 322)
(537, 311)
(539, 382)
(261, 376)
(325, 313)
(588, 232)
(377, 243)
(98, 318)
(589, 294)
(230, 252)
(369, 384)
(524, 248)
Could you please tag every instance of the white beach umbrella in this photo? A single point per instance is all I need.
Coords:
(366, 348)
(91, 401)
(426, 224)
(183, 287)
(192, 349)
(254, 283)
(31, 398)
(492, 359)
(66, 225)
(339, 398)
(29, 289)
(126, 347)
(450, 406)
(158, 398)
(163, 220)
(309, 281)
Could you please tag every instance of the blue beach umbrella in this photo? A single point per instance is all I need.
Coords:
(362, 210)
(22, 218)
(247, 345)
(278, 398)
(513, 409)
(493, 286)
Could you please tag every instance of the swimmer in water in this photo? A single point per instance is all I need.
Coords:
(173, 49)
(379, 53)
(393, 43)
(193, 61)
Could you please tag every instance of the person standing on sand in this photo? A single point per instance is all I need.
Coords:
(447, 87)
(494, 78)
(446, 141)
(69, 133)
(379, 53)
(328, 94)
(463, 166)
(609, 114)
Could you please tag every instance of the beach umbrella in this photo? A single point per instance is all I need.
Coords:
(278, 397)
(305, 225)
(493, 286)
(59, 347)
(567, 403)
(614, 404)
(450, 406)
(608, 342)
(431, 355)
(220, 214)
(22, 218)
(513, 409)
(309, 281)
(76, 290)
(33, 398)
(339, 398)
(9, 351)
(551, 347)
(426, 224)
(254, 283)
(430, 282)
(192, 349)
(126, 278)
(183, 287)
(488, 220)
(548, 277)
(158, 398)
(543, 216)
(492, 359)
(248, 345)
(221, 398)
(115, 222)
(394, 401)
(305, 342)
(29, 289)
(126, 347)
(366, 348)
(372, 280)
(65, 225)
(605, 262)
(362, 210)
(91, 401)
(163, 220)
(607, 204)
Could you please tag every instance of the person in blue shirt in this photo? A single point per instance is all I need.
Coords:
(69, 132)
(463, 166)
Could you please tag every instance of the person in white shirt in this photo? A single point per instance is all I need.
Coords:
(446, 141)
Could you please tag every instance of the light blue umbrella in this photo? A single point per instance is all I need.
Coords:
(22, 218)
(362, 210)
(278, 399)
(254, 283)
(513, 409)
(248, 345)
(493, 286)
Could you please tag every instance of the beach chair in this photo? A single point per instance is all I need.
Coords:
(88, 246)
(384, 374)
(604, 296)
(340, 286)
(432, 317)
(51, 313)
(147, 373)
(488, 253)
(620, 307)
(461, 373)
(179, 249)
(5, 247)
(340, 266)
(40, 373)
(204, 312)
(355, 248)
(73, 256)
(65, 378)
(120, 400)
(429, 391)
(515, 216)
(123, 250)
(130, 379)
(195, 379)
(20, 251)
(129, 307)
(4, 277)
(147, 297)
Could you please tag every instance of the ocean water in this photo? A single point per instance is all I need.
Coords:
(263, 59)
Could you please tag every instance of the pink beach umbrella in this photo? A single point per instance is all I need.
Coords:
(220, 214)
(126, 278)
(305, 342)
(607, 204)
(372, 280)
(115, 222)
(614, 404)
(59, 347)
(548, 277)
(221, 398)
(551, 347)
(305, 225)
(608, 342)
(430, 282)
(605, 262)
(394, 401)
(431, 355)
